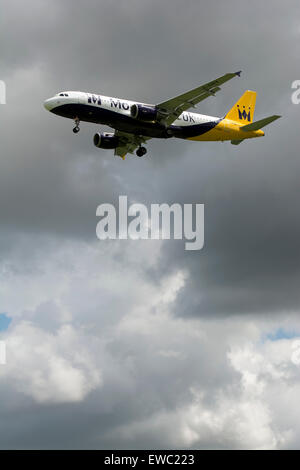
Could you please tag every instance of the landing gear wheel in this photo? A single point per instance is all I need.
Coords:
(77, 122)
(141, 151)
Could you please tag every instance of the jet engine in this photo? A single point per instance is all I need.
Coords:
(106, 141)
(143, 113)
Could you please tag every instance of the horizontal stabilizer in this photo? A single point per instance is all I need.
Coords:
(255, 126)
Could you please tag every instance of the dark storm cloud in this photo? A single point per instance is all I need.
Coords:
(52, 181)
(250, 261)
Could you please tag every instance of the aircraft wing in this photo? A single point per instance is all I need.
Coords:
(128, 143)
(171, 109)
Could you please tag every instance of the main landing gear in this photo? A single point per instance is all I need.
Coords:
(141, 151)
(76, 128)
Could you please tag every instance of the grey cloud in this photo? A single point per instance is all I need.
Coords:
(52, 181)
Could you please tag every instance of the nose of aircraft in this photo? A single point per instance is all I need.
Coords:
(48, 104)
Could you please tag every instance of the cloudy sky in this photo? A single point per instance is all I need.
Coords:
(141, 344)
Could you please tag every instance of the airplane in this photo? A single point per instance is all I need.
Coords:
(135, 123)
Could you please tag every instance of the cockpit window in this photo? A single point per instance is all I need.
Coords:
(63, 94)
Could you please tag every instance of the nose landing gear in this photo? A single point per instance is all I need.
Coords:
(76, 128)
(141, 151)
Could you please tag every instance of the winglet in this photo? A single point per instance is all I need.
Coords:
(238, 73)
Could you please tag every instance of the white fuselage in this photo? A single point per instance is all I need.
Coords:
(111, 111)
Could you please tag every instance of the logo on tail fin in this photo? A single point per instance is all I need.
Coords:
(244, 115)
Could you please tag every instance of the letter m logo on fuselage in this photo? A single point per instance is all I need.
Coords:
(94, 99)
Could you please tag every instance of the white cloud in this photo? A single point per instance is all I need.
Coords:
(50, 368)
(111, 331)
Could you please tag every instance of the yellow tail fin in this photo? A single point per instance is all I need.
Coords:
(243, 110)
